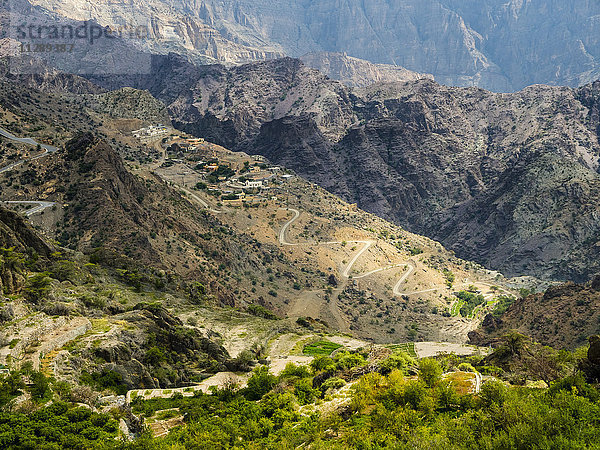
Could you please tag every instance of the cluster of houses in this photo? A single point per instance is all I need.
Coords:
(153, 131)
(186, 145)
(246, 182)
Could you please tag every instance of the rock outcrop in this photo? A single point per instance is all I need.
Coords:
(358, 72)
(562, 317)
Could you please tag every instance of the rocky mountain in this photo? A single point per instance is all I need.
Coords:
(146, 208)
(498, 45)
(358, 72)
(17, 237)
(508, 180)
(563, 316)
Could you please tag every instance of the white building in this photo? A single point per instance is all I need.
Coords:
(254, 184)
(151, 131)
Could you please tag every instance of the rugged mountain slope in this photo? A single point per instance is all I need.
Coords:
(17, 237)
(508, 180)
(563, 316)
(154, 26)
(52, 41)
(358, 72)
(58, 296)
(498, 45)
(141, 218)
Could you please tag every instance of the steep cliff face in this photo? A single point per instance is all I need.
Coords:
(508, 180)
(186, 28)
(498, 45)
(17, 238)
(358, 72)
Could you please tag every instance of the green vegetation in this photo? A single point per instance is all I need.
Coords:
(504, 302)
(469, 301)
(261, 311)
(106, 379)
(386, 407)
(230, 197)
(414, 251)
(38, 287)
(524, 292)
(222, 171)
(320, 348)
(449, 277)
(455, 309)
(59, 425)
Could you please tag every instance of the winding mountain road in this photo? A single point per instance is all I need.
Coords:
(346, 273)
(36, 209)
(48, 149)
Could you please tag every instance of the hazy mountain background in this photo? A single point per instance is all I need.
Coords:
(494, 44)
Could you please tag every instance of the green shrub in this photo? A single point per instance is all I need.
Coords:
(261, 311)
(332, 383)
(38, 287)
(398, 360)
(322, 364)
(261, 382)
(430, 371)
(346, 360)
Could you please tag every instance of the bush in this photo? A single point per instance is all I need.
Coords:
(40, 388)
(430, 371)
(493, 392)
(332, 383)
(304, 391)
(322, 364)
(154, 356)
(261, 382)
(293, 371)
(107, 379)
(399, 360)
(261, 311)
(38, 287)
(466, 367)
(347, 360)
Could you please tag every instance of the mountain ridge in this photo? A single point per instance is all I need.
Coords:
(460, 165)
(475, 43)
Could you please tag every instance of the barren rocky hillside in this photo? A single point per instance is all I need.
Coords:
(137, 204)
(358, 72)
(508, 180)
(562, 316)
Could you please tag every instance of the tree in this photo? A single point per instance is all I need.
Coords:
(154, 356)
(40, 386)
(430, 371)
(38, 286)
(493, 392)
(259, 383)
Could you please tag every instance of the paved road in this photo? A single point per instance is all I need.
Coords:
(41, 205)
(412, 266)
(285, 227)
(36, 209)
(366, 245)
(199, 200)
(12, 137)
(47, 149)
